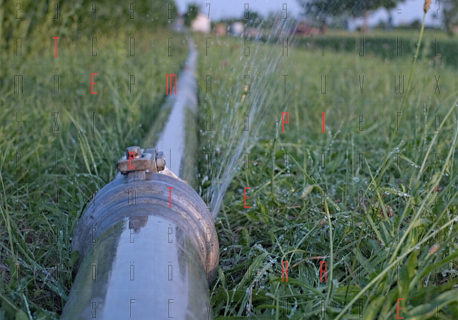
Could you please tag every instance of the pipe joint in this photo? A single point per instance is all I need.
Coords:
(150, 193)
(137, 159)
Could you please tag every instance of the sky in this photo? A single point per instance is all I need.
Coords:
(405, 12)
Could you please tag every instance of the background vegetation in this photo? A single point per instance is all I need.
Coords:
(35, 22)
(374, 196)
(60, 143)
(388, 46)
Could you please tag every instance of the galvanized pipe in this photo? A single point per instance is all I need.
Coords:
(147, 242)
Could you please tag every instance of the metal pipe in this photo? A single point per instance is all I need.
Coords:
(147, 243)
(173, 137)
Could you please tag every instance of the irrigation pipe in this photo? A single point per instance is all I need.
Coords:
(147, 242)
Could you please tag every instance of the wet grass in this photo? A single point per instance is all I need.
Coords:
(60, 145)
(382, 215)
(374, 196)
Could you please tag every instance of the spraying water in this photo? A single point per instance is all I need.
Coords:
(250, 104)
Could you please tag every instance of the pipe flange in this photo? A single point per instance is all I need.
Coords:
(137, 159)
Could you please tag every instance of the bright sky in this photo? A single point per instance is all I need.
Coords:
(406, 12)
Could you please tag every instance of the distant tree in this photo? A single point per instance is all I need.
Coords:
(274, 18)
(271, 19)
(322, 9)
(160, 12)
(228, 21)
(416, 24)
(251, 18)
(191, 13)
(450, 15)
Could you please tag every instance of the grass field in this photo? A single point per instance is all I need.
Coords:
(374, 195)
(60, 145)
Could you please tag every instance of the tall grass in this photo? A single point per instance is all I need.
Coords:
(60, 145)
(28, 25)
(382, 215)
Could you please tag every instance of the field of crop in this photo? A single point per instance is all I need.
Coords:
(308, 158)
(60, 144)
(374, 195)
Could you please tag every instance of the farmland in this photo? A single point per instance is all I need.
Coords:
(60, 145)
(315, 155)
(374, 195)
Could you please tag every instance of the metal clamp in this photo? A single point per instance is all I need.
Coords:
(137, 159)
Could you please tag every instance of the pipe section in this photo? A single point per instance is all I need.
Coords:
(148, 249)
(147, 242)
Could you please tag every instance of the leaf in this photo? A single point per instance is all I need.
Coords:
(428, 309)
(403, 282)
(412, 263)
(20, 315)
(364, 262)
(307, 191)
(373, 308)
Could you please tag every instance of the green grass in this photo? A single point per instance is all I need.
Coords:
(429, 34)
(387, 46)
(385, 221)
(59, 148)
